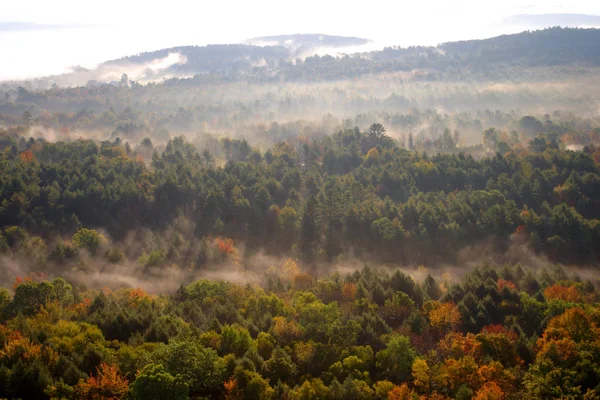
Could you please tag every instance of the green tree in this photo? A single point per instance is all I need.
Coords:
(26, 118)
(395, 361)
(377, 131)
(309, 232)
(287, 224)
(89, 239)
(201, 368)
(155, 383)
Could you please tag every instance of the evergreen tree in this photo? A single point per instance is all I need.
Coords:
(309, 233)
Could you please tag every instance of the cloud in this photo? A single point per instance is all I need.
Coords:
(548, 20)
(14, 26)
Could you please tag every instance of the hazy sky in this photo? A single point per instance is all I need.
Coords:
(73, 32)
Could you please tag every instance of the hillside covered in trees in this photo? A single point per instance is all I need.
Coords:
(418, 223)
(280, 223)
(315, 58)
(349, 194)
(504, 333)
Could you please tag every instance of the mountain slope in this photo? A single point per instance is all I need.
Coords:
(296, 60)
(553, 46)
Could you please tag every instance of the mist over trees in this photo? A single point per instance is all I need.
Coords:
(417, 223)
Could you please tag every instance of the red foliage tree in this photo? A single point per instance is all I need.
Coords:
(108, 384)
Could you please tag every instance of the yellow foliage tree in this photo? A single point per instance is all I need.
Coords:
(286, 331)
(463, 371)
(373, 154)
(421, 375)
(444, 316)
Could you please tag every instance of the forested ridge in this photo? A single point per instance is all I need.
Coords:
(548, 47)
(319, 199)
(298, 329)
(419, 223)
(322, 58)
(498, 333)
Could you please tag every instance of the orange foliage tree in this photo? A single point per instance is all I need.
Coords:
(349, 291)
(27, 156)
(401, 392)
(231, 389)
(489, 391)
(226, 249)
(457, 345)
(574, 323)
(224, 245)
(495, 373)
(521, 230)
(560, 292)
(458, 372)
(502, 283)
(19, 281)
(138, 296)
(108, 384)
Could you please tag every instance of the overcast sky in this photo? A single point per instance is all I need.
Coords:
(63, 33)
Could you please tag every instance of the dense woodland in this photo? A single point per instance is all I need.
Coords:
(76, 208)
(254, 233)
(353, 193)
(464, 86)
(500, 333)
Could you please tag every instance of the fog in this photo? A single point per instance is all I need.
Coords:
(254, 267)
(414, 102)
(294, 99)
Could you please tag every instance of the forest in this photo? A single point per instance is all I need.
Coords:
(418, 223)
(145, 273)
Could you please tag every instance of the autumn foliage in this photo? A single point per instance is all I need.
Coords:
(444, 316)
(27, 156)
(138, 296)
(349, 291)
(225, 246)
(401, 392)
(502, 283)
(231, 389)
(21, 280)
(107, 384)
(489, 391)
(363, 336)
(560, 292)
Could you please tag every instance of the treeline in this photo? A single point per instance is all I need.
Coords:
(499, 333)
(492, 57)
(351, 194)
(271, 113)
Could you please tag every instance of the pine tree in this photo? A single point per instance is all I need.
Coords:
(309, 234)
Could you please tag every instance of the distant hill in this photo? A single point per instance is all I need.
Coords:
(202, 59)
(256, 52)
(294, 58)
(547, 47)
